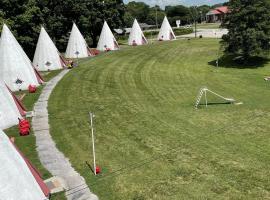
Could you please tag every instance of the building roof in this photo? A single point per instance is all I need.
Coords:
(219, 10)
(223, 9)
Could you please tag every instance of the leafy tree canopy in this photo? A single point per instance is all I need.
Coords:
(138, 10)
(25, 17)
(249, 28)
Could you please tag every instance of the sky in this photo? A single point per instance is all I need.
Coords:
(163, 3)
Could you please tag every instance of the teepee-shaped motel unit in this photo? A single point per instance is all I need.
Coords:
(136, 36)
(77, 46)
(10, 108)
(166, 32)
(47, 57)
(107, 41)
(16, 69)
(19, 178)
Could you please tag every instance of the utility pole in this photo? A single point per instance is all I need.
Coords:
(195, 28)
(201, 17)
(194, 14)
(196, 21)
(156, 18)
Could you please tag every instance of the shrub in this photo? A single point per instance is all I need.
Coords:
(150, 33)
(182, 31)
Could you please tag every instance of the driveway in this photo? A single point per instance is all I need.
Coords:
(206, 33)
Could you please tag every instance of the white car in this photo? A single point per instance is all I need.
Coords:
(188, 26)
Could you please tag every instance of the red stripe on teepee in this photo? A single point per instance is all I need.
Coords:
(18, 103)
(171, 36)
(116, 46)
(38, 75)
(89, 52)
(63, 61)
(35, 173)
(143, 40)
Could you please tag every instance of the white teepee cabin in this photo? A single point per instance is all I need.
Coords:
(16, 69)
(17, 180)
(47, 57)
(107, 40)
(136, 36)
(77, 46)
(10, 108)
(166, 32)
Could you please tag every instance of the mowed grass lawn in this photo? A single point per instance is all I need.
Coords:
(150, 141)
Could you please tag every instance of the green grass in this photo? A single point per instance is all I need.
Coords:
(150, 141)
(208, 26)
(27, 144)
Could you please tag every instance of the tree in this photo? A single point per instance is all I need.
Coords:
(177, 13)
(22, 16)
(89, 15)
(249, 29)
(194, 14)
(113, 11)
(155, 13)
(128, 19)
(217, 5)
(25, 17)
(203, 10)
(27, 27)
(138, 10)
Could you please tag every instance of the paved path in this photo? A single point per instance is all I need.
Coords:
(207, 33)
(51, 158)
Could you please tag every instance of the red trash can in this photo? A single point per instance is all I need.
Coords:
(24, 127)
(98, 169)
(32, 88)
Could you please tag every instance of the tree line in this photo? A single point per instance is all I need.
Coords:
(147, 14)
(25, 17)
(248, 24)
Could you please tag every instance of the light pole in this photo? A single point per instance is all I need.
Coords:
(195, 28)
(194, 15)
(201, 16)
(156, 18)
(93, 142)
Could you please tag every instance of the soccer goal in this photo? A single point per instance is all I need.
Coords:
(203, 92)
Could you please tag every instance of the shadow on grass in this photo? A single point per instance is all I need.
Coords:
(240, 63)
(214, 103)
(90, 167)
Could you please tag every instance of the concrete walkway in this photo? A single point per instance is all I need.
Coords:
(207, 33)
(51, 158)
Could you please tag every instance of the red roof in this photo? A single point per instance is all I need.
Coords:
(223, 9)
(215, 12)
(219, 10)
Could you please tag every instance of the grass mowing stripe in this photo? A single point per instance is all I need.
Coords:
(143, 99)
(145, 162)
